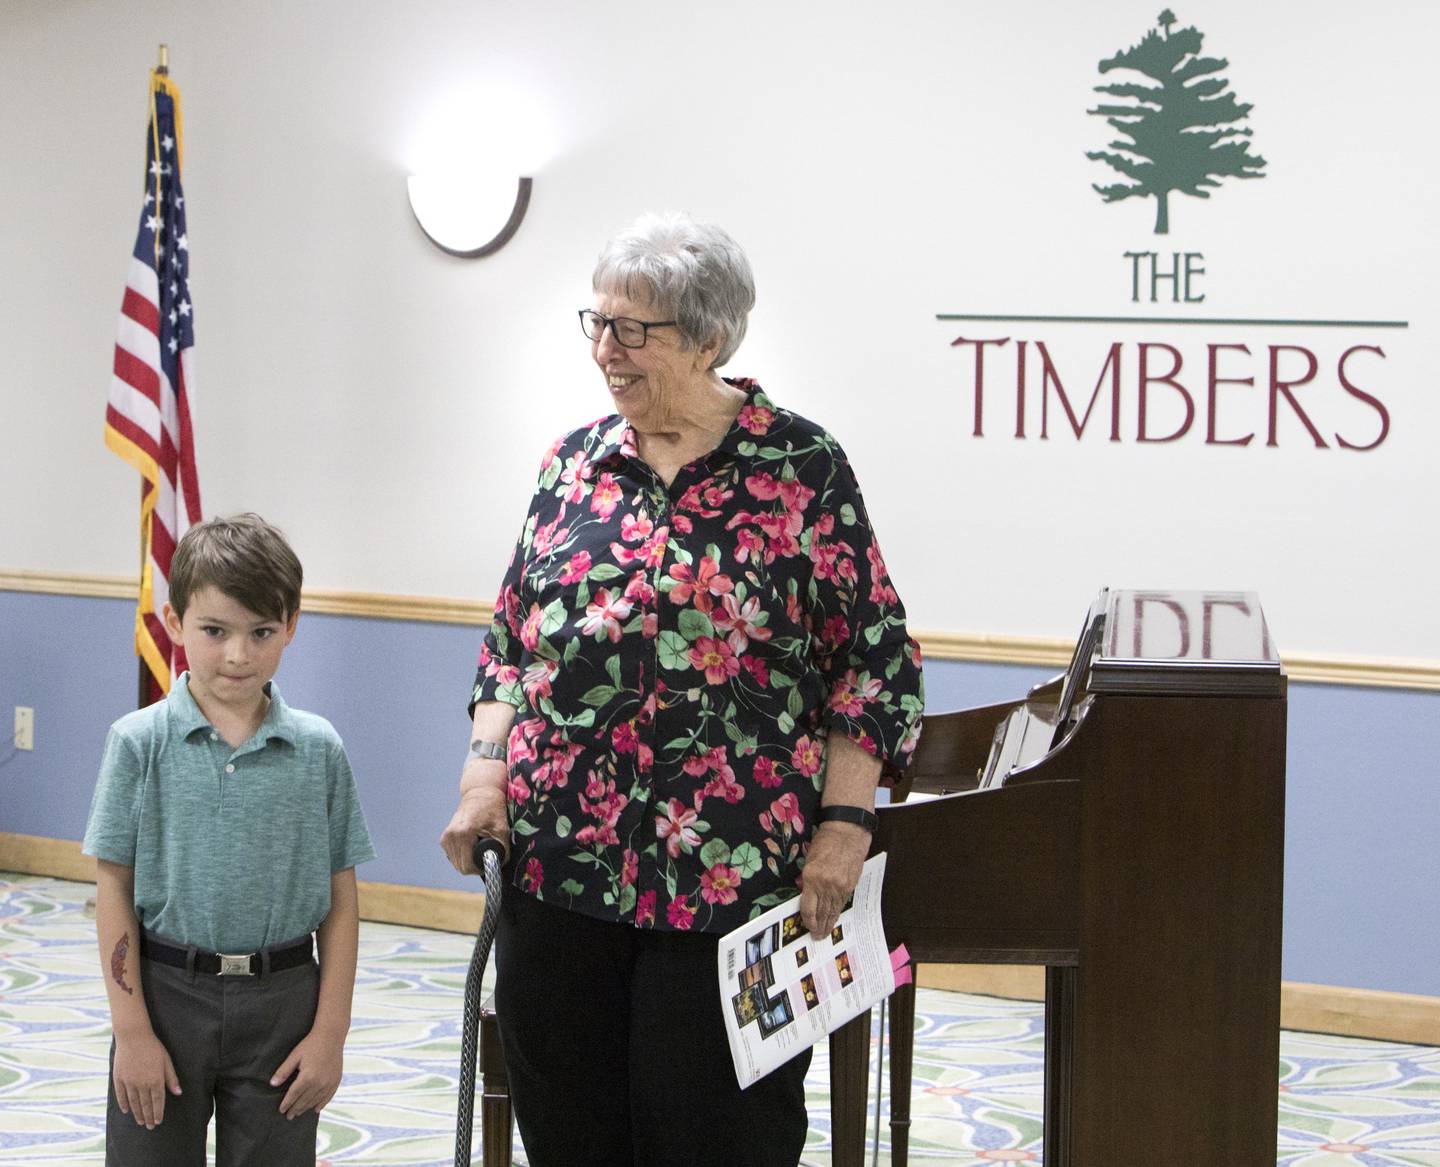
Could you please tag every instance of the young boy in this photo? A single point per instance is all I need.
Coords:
(226, 830)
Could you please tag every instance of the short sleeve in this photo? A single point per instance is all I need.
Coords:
(871, 665)
(113, 826)
(497, 676)
(350, 843)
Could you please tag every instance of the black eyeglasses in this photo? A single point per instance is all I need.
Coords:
(627, 331)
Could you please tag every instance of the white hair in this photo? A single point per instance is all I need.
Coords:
(694, 272)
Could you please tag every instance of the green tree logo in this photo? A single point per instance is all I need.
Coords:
(1180, 134)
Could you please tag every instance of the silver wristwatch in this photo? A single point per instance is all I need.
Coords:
(488, 750)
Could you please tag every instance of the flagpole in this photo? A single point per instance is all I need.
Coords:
(144, 681)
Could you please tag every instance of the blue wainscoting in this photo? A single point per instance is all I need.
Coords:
(1362, 863)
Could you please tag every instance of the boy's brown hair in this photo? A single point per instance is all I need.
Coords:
(244, 557)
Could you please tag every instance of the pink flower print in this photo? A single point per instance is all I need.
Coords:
(763, 486)
(756, 668)
(645, 909)
(629, 868)
(652, 551)
(741, 623)
(534, 875)
(521, 747)
(834, 633)
(510, 602)
(603, 615)
(832, 559)
(781, 533)
(806, 756)
(765, 773)
(644, 758)
(682, 524)
(868, 744)
(716, 658)
(574, 476)
(538, 676)
(504, 674)
(793, 611)
(852, 693)
(877, 564)
(518, 790)
(825, 524)
(785, 811)
(749, 543)
(576, 569)
(723, 785)
(795, 494)
(547, 536)
(639, 590)
(719, 884)
(757, 419)
(552, 451)
(673, 825)
(716, 496)
(695, 765)
(691, 500)
(680, 914)
(704, 583)
(634, 528)
(650, 625)
(883, 594)
(604, 803)
(623, 738)
(530, 630)
(607, 496)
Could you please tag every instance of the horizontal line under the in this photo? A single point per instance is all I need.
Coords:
(1003, 318)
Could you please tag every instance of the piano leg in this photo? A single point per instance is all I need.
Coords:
(1060, 988)
(849, 1080)
(902, 1049)
(496, 1121)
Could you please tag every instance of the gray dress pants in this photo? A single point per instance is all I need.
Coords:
(226, 1036)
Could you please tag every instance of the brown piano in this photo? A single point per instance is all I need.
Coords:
(1123, 826)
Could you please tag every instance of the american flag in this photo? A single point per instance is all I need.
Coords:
(147, 421)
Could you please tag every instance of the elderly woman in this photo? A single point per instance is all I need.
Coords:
(697, 666)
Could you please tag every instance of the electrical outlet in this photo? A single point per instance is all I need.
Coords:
(24, 727)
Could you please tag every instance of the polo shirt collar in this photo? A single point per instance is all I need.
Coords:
(617, 440)
(186, 717)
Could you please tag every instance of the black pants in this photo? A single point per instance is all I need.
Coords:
(616, 1052)
(226, 1036)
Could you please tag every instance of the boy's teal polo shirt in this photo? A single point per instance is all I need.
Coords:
(233, 849)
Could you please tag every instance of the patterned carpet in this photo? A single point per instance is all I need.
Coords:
(977, 1099)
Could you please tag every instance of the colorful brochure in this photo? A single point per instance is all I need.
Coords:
(783, 989)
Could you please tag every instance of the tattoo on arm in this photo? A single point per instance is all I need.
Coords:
(117, 962)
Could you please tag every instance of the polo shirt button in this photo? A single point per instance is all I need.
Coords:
(214, 737)
(230, 769)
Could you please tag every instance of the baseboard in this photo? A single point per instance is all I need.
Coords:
(1400, 1017)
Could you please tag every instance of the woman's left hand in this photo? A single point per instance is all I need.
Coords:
(832, 869)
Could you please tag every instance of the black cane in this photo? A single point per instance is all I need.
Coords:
(487, 858)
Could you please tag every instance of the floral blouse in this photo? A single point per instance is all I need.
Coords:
(677, 657)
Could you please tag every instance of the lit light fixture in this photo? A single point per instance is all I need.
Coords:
(458, 212)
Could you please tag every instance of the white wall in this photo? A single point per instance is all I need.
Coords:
(387, 403)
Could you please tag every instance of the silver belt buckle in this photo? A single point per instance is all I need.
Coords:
(234, 966)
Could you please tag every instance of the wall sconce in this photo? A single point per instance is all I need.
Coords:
(458, 212)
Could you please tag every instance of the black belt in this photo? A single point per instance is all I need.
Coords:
(245, 964)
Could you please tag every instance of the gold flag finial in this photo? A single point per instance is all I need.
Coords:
(164, 67)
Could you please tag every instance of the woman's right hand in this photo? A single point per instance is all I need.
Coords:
(482, 811)
(141, 1074)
